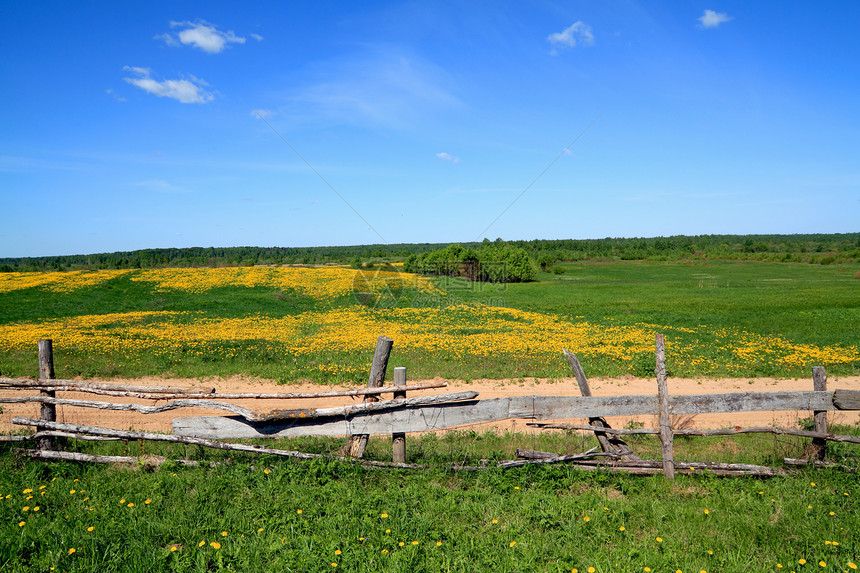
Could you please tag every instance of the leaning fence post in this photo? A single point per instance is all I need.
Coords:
(666, 444)
(398, 439)
(819, 384)
(358, 443)
(46, 372)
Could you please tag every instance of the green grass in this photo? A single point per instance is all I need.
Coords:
(800, 303)
(540, 512)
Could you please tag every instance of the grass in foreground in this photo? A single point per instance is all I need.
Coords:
(281, 515)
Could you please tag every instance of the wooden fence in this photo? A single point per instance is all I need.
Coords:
(401, 415)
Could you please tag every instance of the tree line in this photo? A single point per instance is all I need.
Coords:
(809, 248)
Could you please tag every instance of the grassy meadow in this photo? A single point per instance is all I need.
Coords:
(736, 318)
(273, 514)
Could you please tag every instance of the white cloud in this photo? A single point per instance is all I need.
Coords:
(448, 157)
(257, 37)
(261, 113)
(202, 35)
(578, 33)
(711, 19)
(183, 91)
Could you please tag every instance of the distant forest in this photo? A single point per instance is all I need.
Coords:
(815, 249)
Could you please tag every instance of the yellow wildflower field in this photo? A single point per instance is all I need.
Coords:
(336, 333)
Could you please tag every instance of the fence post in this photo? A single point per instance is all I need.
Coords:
(358, 443)
(46, 372)
(819, 384)
(398, 439)
(666, 444)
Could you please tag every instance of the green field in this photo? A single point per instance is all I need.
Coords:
(267, 514)
(741, 319)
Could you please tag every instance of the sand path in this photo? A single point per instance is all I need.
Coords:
(487, 389)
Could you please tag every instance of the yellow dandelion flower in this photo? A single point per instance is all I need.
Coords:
(201, 544)
(516, 487)
(216, 545)
(414, 543)
(590, 570)
(223, 534)
(333, 564)
(72, 492)
(586, 518)
(401, 544)
(574, 570)
(438, 544)
(25, 508)
(22, 524)
(852, 565)
(812, 484)
(659, 540)
(266, 471)
(131, 504)
(387, 531)
(36, 508)
(148, 501)
(512, 543)
(802, 561)
(646, 569)
(495, 521)
(822, 563)
(779, 565)
(260, 530)
(44, 486)
(122, 501)
(832, 513)
(383, 515)
(707, 512)
(28, 490)
(90, 528)
(621, 528)
(299, 511)
(71, 550)
(173, 548)
(710, 551)
(384, 551)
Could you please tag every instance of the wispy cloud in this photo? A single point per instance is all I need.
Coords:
(577, 34)
(381, 87)
(261, 113)
(184, 90)
(711, 19)
(202, 35)
(160, 186)
(257, 37)
(448, 157)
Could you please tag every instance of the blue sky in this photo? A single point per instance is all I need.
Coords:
(163, 124)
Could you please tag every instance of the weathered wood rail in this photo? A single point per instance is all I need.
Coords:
(402, 415)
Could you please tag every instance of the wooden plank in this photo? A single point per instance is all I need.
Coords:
(427, 418)
(666, 445)
(81, 386)
(819, 417)
(358, 443)
(164, 393)
(846, 399)
(172, 405)
(608, 443)
(46, 372)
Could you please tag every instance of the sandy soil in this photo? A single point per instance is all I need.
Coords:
(487, 389)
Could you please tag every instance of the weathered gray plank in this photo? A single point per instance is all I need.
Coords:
(846, 399)
(421, 419)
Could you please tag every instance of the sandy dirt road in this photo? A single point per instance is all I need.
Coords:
(487, 389)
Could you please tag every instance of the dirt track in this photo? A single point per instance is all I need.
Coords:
(487, 389)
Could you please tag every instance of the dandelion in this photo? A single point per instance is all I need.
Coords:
(121, 502)
(591, 570)
(812, 484)
(659, 540)
(299, 511)
(822, 563)
(621, 528)
(586, 518)
(512, 543)
(384, 551)
(516, 487)
(22, 524)
(72, 492)
(832, 513)
(201, 544)
(438, 544)
(131, 504)
(147, 502)
(71, 550)
(28, 490)
(36, 508)
(25, 508)
(333, 564)
(710, 552)
(173, 548)
(802, 561)
(216, 545)
(574, 570)
(223, 534)
(260, 530)
(646, 569)
(90, 528)
(495, 521)
(387, 531)
(707, 512)
(852, 565)
(382, 515)
(337, 551)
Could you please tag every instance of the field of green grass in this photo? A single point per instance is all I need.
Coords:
(273, 514)
(740, 319)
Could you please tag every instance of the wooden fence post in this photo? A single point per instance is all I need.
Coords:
(398, 439)
(608, 443)
(819, 445)
(46, 372)
(666, 437)
(357, 444)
